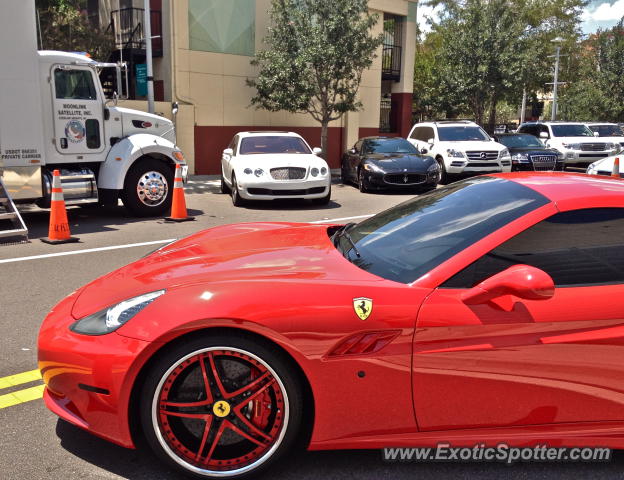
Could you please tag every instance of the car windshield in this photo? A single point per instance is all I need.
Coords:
(607, 130)
(272, 144)
(571, 131)
(388, 145)
(520, 141)
(462, 134)
(407, 241)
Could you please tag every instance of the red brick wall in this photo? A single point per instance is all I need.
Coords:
(402, 113)
(210, 141)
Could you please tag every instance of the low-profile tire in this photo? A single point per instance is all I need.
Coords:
(237, 200)
(444, 177)
(148, 188)
(221, 407)
(223, 187)
(361, 181)
(323, 200)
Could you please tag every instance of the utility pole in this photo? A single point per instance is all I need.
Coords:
(147, 33)
(557, 41)
(523, 111)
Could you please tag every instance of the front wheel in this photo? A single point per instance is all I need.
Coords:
(362, 183)
(221, 407)
(444, 177)
(147, 189)
(237, 200)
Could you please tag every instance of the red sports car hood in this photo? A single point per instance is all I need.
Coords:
(231, 253)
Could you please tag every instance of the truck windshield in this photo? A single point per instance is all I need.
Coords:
(571, 131)
(407, 241)
(272, 144)
(462, 134)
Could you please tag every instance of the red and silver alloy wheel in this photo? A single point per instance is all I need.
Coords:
(220, 411)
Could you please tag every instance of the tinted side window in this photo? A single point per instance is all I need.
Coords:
(358, 146)
(416, 134)
(544, 128)
(580, 247)
(530, 129)
(74, 84)
(427, 133)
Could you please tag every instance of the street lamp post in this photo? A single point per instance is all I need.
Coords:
(557, 41)
(148, 55)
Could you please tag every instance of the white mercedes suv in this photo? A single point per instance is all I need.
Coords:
(460, 147)
(575, 141)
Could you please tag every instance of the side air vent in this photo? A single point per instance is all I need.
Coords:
(363, 343)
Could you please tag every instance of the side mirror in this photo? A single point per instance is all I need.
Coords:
(112, 101)
(174, 108)
(522, 281)
(317, 151)
(544, 135)
(423, 150)
(596, 134)
(352, 151)
(228, 151)
(431, 141)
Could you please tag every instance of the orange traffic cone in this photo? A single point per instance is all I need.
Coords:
(178, 204)
(59, 227)
(616, 168)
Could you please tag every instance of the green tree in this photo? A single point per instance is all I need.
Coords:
(64, 26)
(316, 51)
(597, 90)
(490, 50)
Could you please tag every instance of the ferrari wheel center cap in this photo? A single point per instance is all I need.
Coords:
(221, 408)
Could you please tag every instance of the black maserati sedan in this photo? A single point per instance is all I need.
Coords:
(529, 153)
(379, 163)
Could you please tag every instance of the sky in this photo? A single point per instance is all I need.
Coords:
(598, 14)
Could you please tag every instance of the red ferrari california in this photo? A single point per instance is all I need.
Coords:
(487, 311)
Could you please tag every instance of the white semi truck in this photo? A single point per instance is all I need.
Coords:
(54, 115)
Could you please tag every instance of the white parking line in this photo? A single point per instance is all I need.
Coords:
(88, 250)
(142, 244)
(332, 220)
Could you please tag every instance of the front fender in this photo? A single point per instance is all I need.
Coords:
(127, 151)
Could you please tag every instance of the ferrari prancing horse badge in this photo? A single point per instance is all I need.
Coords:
(363, 307)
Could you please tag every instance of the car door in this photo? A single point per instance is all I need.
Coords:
(513, 362)
(78, 113)
(353, 159)
(226, 159)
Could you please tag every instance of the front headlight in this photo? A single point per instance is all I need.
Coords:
(572, 146)
(610, 146)
(314, 172)
(520, 158)
(111, 318)
(371, 167)
(455, 153)
(433, 168)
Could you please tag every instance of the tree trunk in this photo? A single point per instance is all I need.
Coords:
(324, 125)
(492, 118)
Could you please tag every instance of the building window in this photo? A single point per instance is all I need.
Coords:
(392, 46)
(223, 27)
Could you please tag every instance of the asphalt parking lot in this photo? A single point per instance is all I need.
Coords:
(33, 276)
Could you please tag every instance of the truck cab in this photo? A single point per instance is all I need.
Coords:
(54, 115)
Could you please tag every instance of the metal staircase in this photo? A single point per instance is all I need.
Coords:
(12, 227)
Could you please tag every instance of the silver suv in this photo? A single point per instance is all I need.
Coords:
(575, 141)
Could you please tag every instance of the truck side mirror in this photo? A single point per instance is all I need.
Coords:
(174, 109)
(113, 100)
(431, 141)
(317, 151)
(596, 134)
(228, 151)
(544, 135)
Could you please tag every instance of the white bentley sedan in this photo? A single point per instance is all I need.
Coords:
(272, 165)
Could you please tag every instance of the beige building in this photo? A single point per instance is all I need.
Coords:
(202, 60)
